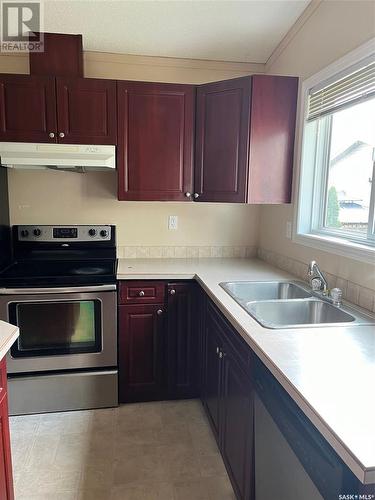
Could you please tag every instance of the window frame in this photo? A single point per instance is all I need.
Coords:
(312, 166)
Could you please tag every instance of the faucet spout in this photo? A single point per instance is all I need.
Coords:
(311, 267)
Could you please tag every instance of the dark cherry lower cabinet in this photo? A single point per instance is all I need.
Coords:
(141, 352)
(227, 396)
(212, 371)
(182, 341)
(158, 342)
(237, 422)
(6, 477)
(175, 343)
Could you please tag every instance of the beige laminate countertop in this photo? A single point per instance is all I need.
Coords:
(8, 335)
(328, 371)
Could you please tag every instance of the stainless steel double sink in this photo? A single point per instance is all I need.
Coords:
(290, 304)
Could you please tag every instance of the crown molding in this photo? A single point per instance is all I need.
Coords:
(108, 57)
(297, 26)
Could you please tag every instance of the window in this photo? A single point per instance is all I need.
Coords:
(337, 177)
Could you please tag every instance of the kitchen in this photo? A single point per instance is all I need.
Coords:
(189, 275)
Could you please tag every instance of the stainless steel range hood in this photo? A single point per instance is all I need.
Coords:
(68, 157)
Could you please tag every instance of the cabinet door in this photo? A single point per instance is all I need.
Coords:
(27, 108)
(212, 369)
(140, 352)
(237, 423)
(155, 141)
(182, 341)
(6, 477)
(86, 111)
(222, 137)
(273, 118)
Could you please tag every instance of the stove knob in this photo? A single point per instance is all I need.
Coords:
(92, 232)
(103, 233)
(24, 233)
(37, 232)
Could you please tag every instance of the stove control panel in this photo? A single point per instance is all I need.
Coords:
(64, 234)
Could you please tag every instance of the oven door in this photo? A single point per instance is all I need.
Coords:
(61, 328)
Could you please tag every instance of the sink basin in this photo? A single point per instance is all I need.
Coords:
(247, 291)
(297, 313)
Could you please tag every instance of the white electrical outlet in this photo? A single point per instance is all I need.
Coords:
(288, 231)
(173, 222)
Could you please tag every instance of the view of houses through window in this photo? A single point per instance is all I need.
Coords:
(350, 168)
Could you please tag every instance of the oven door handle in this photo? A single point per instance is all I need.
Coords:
(72, 289)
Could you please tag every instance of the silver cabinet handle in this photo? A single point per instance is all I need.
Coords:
(61, 134)
(196, 195)
(220, 354)
(187, 194)
(141, 293)
(159, 312)
(172, 291)
(217, 350)
(51, 135)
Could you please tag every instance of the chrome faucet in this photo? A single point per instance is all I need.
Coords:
(317, 280)
(319, 285)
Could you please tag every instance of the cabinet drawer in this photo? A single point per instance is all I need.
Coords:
(142, 292)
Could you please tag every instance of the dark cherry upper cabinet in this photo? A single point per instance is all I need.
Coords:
(86, 111)
(272, 131)
(155, 141)
(62, 55)
(245, 131)
(27, 108)
(182, 341)
(140, 352)
(222, 130)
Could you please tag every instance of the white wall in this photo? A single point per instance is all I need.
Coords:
(333, 29)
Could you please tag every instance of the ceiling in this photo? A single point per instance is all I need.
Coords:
(244, 31)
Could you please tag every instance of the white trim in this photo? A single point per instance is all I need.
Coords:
(297, 26)
(338, 246)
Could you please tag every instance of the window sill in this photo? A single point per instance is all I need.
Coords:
(338, 246)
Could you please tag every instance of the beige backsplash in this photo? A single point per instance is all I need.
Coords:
(185, 252)
(352, 292)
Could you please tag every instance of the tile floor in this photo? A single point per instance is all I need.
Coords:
(145, 451)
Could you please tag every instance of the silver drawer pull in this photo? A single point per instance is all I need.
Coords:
(159, 312)
(61, 134)
(172, 291)
(141, 293)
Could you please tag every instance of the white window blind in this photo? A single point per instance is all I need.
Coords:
(344, 92)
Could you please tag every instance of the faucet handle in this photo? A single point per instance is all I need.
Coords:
(336, 296)
(316, 284)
